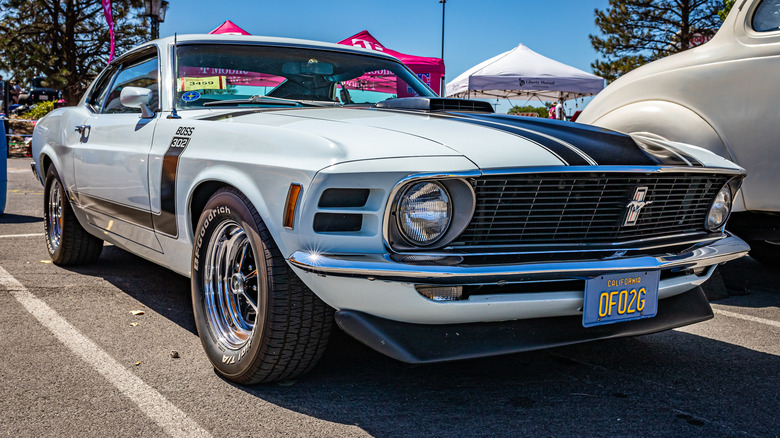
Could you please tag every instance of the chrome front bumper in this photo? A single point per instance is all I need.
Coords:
(382, 267)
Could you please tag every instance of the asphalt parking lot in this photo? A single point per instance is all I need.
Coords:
(77, 362)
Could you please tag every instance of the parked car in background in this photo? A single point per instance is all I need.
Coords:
(723, 97)
(289, 183)
(39, 92)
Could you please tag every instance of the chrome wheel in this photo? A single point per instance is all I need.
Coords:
(231, 285)
(54, 214)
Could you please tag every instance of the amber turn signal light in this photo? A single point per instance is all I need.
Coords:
(289, 207)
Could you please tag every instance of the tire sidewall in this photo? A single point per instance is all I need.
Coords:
(53, 177)
(235, 364)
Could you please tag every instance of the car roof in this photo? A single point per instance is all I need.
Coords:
(262, 40)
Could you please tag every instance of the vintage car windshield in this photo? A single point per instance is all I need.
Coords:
(215, 75)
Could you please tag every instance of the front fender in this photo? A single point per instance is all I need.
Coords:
(269, 202)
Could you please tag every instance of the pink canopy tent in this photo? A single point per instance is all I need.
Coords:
(229, 28)
(429, 70)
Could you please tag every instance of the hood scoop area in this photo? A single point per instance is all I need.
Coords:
(436, 104)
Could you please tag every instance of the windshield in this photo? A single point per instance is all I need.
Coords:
(213, 75)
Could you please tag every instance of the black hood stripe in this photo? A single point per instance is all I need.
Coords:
(569, 146)
(575, 144)
(603, 146)
(568, 156)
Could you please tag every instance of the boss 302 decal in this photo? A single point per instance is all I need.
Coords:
(165, 222)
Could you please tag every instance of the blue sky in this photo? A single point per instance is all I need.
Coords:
(475, 30)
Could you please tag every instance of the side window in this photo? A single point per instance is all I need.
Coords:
(767, 16)
(98, 96)
(141, 74)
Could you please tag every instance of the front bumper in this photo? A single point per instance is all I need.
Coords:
(426, 343)
(383, 267)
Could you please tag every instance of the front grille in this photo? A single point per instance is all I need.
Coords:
(586, 208)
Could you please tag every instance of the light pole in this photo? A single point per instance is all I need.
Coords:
(155, 10)
(442, 92)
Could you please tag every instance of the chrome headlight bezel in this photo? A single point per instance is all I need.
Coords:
(462, 202)
(724, 200)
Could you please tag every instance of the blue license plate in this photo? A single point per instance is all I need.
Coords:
(620, 297)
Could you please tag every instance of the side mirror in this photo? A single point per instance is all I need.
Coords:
(136, 97)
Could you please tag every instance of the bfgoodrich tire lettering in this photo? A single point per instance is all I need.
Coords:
(257, 321)
(67, 241)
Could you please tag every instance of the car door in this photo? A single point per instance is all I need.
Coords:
(110, 160)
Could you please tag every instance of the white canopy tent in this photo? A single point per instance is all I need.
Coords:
(522, 73)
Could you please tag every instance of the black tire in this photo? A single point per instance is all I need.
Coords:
(286, 331)
(765, 252)
(67, 241)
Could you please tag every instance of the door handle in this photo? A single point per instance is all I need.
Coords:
(81, 128)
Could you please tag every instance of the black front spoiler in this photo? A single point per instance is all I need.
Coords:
(423, 343)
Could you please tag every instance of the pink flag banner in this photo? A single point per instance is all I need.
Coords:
(110, 21)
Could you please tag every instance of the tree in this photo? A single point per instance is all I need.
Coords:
(65, 40)
(727, 5)
(541, 110)
(634, 32)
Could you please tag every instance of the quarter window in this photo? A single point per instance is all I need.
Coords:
(98, 96)
(141, 74)
(767, 16)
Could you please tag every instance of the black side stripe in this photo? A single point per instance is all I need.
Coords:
(133, 215)
(165, 222)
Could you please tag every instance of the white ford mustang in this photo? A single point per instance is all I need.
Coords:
(293, 181)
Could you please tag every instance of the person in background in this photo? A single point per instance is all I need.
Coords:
(552, 110)
(560, 114)
(14, 90)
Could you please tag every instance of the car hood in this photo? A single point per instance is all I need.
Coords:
(489, 140)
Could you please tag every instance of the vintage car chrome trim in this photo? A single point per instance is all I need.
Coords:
(394, 193)
(621, 169)
(560, 248)
(382, 267)
(456, 226)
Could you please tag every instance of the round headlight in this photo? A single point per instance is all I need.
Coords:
(424, 213)
(720, 209)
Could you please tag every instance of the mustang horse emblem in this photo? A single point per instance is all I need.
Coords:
(635, 206)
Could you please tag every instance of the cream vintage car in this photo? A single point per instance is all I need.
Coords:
(294, 181)
(721, 96)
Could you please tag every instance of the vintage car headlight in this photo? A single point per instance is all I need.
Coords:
(424, 213)
(720, 209)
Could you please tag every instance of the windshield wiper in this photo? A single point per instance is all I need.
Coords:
(265, 100)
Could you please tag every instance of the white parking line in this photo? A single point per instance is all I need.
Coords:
(9, 236)
(746, 317)
(170, 418)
